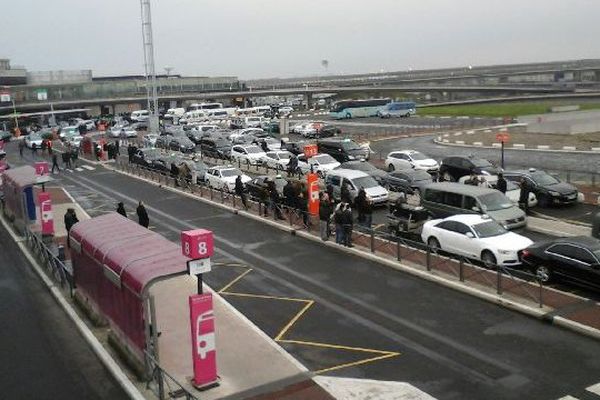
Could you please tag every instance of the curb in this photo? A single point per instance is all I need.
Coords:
(109, 363)
(539, 150)
(455, 285)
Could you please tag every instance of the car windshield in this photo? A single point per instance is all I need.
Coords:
(489, 229)
(544, 179)
(495, 201)
(226, 173)
(365, 182)
(324, 159)
(481, 163)
(417, 156)
(253, 149)
(350, 145)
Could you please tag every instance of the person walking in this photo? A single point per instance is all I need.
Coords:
(74, 156)
(21, 147)
(501, 183)
(359, 204)
(55, 162)
(337, 220)
(130, 152)
(121, 209)
(524, 195)
(345, 193)
(347, 220)
(142, 214)
(274, 199)
(44, 146)
(325, 210)
(288, 195)
(368, 213)
(33, 149)
(293, 165)
(240, 190)
(70, 219)
(303, 208)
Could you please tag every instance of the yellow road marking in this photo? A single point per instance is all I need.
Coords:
(294, 320)
(335, 346)
(233, 282)
(352, 364)
(264, 296)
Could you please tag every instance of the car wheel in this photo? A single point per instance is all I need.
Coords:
(488, 258)
(543, 273)
(348, 116)
(434, 244)
(391, 168)
(543, 201)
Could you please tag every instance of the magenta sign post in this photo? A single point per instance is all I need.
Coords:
(47, 219)
(204, 351)
(197, 244)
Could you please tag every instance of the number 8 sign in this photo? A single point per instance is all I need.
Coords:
(197, 244)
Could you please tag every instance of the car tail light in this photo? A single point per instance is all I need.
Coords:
(524, 254)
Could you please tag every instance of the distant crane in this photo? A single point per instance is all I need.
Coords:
(150, 71)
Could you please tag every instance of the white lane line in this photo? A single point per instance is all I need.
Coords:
(594, 389)
(568, 398)
(88, 167)
(79, 169)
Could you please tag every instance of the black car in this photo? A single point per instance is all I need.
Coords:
(575, 259)
(548, 189)
(200, 169)
(145, 157)
(325, 131)
(365, 167)
(164, 162)
(343, 149)
(181, 143)
(410, 181)
(295, 147)
(454, 167)
(256, 186)
(5, 136)
(215, 148)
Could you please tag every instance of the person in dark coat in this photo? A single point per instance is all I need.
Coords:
(263, 198)
(142, 214)
(337, 220)
(325, 210)
(21, 147)
(130, 151)
(44, 146)
(359, 205)
(240, 190)
(74, 156)
(347, 225)
(264, 146)
(330, 192)
(293, 165)
(66, 159)
(289, 194)
(33, 149)
(121, 209)
(501, 183)
(274, 199)
(303, 207)
(70, 220)
(345, 193)
(524, 195)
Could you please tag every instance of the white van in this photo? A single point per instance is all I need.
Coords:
(174, 113)
(356, 180)
(140, 116)
(261, 110)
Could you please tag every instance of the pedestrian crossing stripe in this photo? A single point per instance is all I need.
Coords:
(78, 169)
(88, 167)
(594, 389)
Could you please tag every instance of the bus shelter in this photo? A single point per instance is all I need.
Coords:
(115, 264)
(19, 199)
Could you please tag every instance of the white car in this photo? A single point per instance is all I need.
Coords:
(278, 159)
(68, 131)
(75, 140)
(286, 110)
(321, 163)
(308, 128)
(253, 122)
(477, 237)
(397, 160)
(513, 191)
(150, 140)
(123, 131)
(89, 125)
(243, 133)
(223, 177)
(251, 154)
(33, 138)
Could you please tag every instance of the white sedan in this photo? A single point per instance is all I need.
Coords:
(223, 178)
(123, 131)
(321, 163)
(399, 160)
(278, 159)
(477, 237)
(252, 154)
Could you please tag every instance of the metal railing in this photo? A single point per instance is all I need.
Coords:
(164, 385)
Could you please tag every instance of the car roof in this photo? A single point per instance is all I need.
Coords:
(460, 188)
(469, 219)
(524, 171)
(585, 241)
(404, 151)
(348, 173)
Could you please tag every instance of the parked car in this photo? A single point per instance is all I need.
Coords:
(411, 181)
(306, 128)
(548, 189)
(397, 160)
(320, 163)
(513, 191)
(356, 180)
(477, 237)
(253, 122)
(256, 186)
(444, 199)
(122, 131)
(33, 138)
(223, 177)
(454, 167)
(277, 159)
(365, 167)
(252, 154)
(5, 136)
(272, 144)
(74, 141)
(575, 259)
(163, 162)
(243, 132)
(343, 149)
(199, 167)
(182, 144)
(323, 131)
(215, 147)
(68, 131)
(145, 156)
(150, 139)
(295, 147)
(285, 110)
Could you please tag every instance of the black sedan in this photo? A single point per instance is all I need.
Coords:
(182, 143)
(257, 185)
(145, 157)
(548, 189)
(410, 181)
(575, 259)
(367, 168)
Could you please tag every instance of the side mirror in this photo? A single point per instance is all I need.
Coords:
(476, 209)
(469, 235)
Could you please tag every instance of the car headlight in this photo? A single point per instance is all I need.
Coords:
(504, 252)
(351, 158)
(553, 193)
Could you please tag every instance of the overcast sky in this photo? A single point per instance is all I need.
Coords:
(283, 38)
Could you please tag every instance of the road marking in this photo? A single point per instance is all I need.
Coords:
(233, 282)
(294, 320)
(568, 398)
(88, 167)
(594, 389)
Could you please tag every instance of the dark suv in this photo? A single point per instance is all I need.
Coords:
(343, 149)
(548, 189)
(215, 147)
(454, 167)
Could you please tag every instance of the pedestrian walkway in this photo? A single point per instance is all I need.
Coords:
(360, 389)
(590, 392)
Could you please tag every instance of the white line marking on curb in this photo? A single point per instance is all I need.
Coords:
(519, 145)
(88, 167)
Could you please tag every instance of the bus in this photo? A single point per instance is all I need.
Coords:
(398, 109)
(204, 106)
(357, 108)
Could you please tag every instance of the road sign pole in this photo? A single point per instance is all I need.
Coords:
(502, 154)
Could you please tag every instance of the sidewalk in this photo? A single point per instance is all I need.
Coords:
(556, 227)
